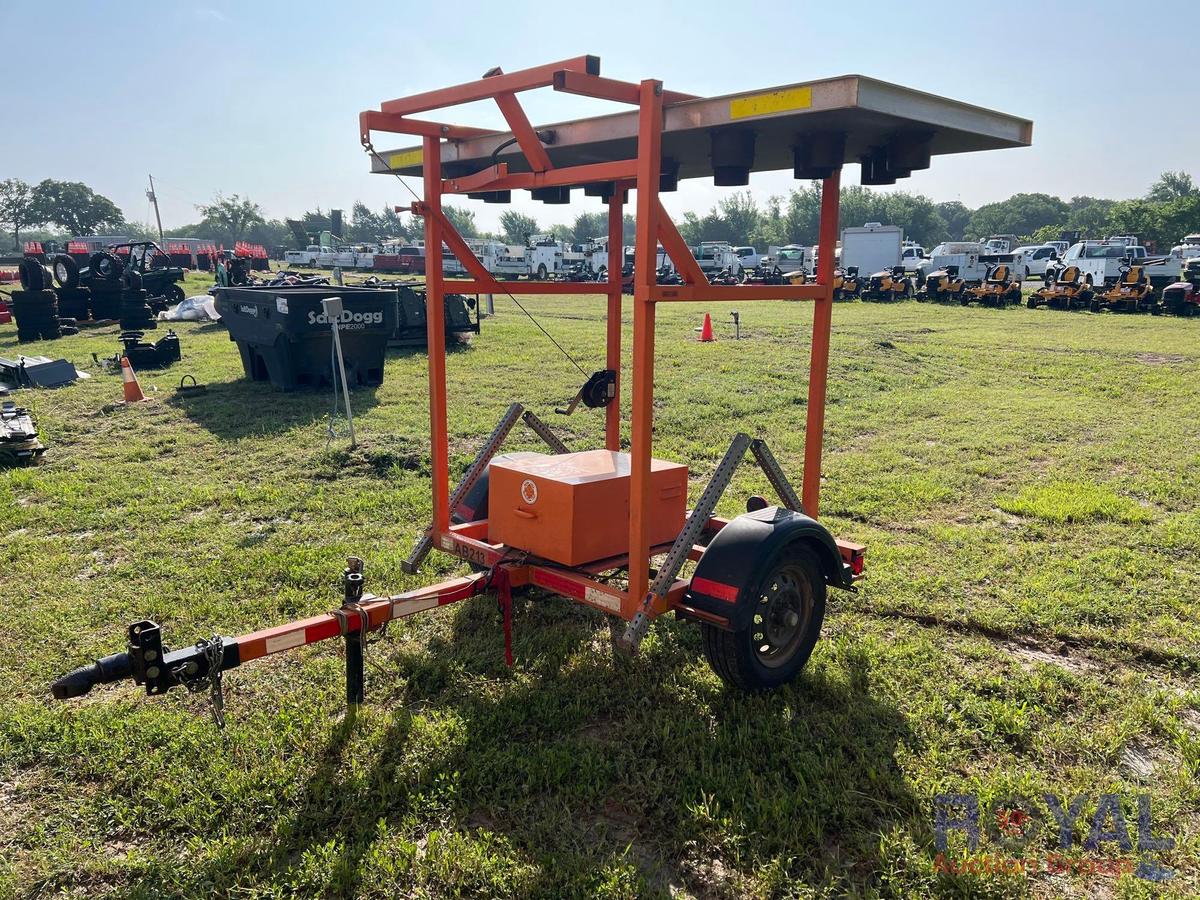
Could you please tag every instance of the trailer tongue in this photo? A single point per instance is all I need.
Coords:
(587, 525)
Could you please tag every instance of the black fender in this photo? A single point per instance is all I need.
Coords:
(726, 575)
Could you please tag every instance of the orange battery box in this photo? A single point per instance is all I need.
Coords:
(573, 508)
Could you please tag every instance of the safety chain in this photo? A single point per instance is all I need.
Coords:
(214, 655)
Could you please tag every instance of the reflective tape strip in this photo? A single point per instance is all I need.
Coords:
(725, 592)
(558, 583)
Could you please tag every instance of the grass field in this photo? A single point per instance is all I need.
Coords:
(1028, 485)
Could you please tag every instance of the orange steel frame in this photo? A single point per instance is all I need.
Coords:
(469, 541)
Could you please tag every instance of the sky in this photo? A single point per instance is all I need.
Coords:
(262, 98)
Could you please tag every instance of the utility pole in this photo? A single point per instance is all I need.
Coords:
(153, 198)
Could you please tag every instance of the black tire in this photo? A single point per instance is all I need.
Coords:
(541, 272)
(66, 271)
(105, 266)
(34, 275)
(131, 280)
(175, 294)
(1031, 303)
(1094, 306)
(771, 652)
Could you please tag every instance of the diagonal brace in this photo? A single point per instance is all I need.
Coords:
(678, 554)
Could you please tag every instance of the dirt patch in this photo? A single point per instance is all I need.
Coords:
(599, 732)
(1159, 359)
(1137, 762)
(1029, 656)
(619, 827)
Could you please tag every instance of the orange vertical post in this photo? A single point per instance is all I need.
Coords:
(818, 367)
(649, 167)
(616, 261)
(435, 318)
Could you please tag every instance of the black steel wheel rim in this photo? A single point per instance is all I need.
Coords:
(781, 616)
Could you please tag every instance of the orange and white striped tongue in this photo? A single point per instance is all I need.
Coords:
(133, 390)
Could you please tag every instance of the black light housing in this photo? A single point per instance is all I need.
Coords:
(818, 156)
(552, 194)
(732, 156)
(491, 196)
(668, 180)
(910, 151)
(878, 167)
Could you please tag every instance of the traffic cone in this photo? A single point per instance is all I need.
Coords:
(133, 390)
(706, 332)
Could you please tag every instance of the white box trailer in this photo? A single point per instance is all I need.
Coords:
(872, 248)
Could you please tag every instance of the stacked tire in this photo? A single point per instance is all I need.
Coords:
(105, 286)
(136, 314)
(73, 303)
(36, 314)
(105, 299)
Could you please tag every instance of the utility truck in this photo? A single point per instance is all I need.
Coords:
(970, 257)
(717, 256)
(500, 258)
(794, 258)
(1100, 262)
(545, 256)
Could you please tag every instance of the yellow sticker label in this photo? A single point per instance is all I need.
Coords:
(770, 102)
(406, 158)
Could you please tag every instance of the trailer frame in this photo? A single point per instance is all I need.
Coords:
(889, 129)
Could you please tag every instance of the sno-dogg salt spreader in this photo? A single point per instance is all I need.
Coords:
(603, 527)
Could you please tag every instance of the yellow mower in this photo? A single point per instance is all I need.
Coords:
(846, 283)
(943, 284)
(1132, 292)
(999, 288)
(1066, 289)
(890, 284)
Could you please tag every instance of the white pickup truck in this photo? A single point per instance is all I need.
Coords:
(306, 257)
(1100, 262)
(1034, 259)
(748, 257)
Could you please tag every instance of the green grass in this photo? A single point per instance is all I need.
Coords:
(1028, 485)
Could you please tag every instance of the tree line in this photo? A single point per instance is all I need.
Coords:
(1169, 209)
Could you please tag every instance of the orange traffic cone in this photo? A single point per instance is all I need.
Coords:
(133, 390)
(706, 333)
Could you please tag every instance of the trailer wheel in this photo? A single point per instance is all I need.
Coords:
(779, 638)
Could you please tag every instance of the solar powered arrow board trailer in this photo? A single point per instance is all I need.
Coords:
(758, 587)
